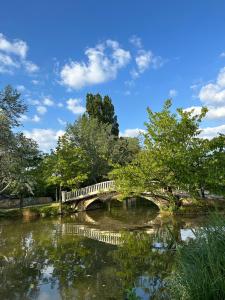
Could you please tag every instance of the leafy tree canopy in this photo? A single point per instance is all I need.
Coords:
(174, 157)
(102, 109)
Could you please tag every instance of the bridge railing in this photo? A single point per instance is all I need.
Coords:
(88, 190)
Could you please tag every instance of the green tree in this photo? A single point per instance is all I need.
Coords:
(96, 142)
(11, 105)
(64, 168)
(168, 160)
(18, 154)
(124, 150)
(103, 110)
(210, 171)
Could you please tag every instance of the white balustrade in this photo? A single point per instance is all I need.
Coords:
(92, 189)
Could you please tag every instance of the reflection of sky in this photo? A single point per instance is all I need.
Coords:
(186, 234)
(47, 293)
(146, 287)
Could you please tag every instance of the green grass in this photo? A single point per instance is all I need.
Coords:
(44, 210)
(200, 265)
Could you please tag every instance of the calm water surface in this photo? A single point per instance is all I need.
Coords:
(101, 254)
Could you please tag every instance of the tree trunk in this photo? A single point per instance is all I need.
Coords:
(176, 201)
(56, 195)
(203, 192)
(60, 199)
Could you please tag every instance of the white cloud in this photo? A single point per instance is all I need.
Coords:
(34, 102)
(48, 102)
(7, 64)
(214, 93)
(75, 106)
(60, 104)
(13, 55)
(103, 64)
(222, 54)
(46, 138)
(35, 82)
(136, 41)
(30, 67)
(41, 109)
(36, 118)
(61, 122)
(210, 132)
(173, 93)
(134, 73)
(143, 60)
(132, 132)
(213, 112)
(25, 118)
(20, 88)
(17, 47)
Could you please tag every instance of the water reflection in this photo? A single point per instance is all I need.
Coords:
(44, 259)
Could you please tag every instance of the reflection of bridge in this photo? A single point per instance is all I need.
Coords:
(108, 237)
(84, 197)
(160, 236)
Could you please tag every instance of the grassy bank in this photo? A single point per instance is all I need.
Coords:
(192, 206)
(42, 210)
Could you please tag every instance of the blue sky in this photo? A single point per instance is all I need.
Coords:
(138, 52)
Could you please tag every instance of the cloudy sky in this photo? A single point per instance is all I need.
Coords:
(138, 52)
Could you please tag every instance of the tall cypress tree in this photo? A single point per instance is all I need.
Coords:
(103, 110)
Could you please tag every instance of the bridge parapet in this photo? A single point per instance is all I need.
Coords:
(88, 191)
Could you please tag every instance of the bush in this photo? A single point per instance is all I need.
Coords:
(200, 265)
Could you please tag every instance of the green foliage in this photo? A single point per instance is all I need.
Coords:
(46, 210)
(95, 141)
(11, 106)
(103, 110)
(18, 154)
(200, 266)
(174, 157)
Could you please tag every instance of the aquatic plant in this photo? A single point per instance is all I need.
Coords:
(200, 265)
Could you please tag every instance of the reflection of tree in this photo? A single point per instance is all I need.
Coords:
(137, 263)
(36, 256)
(20, 265)
(29, 252)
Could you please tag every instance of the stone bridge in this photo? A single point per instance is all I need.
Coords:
(82, 198)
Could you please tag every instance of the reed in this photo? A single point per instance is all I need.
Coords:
(200, 265)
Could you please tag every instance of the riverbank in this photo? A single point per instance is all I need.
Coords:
(190, 207)
(201, 206)
(41, 210)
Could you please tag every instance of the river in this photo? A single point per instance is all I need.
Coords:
(115, 253)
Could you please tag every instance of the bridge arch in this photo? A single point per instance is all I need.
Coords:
(158, 202)
(83, 205)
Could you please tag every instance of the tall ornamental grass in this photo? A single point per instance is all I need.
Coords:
(200, 265)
